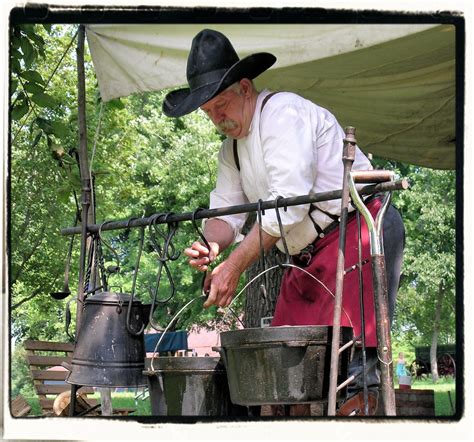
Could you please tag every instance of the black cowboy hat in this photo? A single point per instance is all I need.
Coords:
(213, 65)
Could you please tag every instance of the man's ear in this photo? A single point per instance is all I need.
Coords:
(246, 87)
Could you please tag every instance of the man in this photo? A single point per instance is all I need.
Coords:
(280, 144)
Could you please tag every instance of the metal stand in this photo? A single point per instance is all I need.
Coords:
(384, 347)
(379, 280)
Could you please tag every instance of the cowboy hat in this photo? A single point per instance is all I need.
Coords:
(213, 65)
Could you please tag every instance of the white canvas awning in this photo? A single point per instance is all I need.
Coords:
(394, 83)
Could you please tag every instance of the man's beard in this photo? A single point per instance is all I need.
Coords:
(226, 125)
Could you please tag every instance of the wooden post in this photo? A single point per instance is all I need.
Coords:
(88, 213)
(348, 156)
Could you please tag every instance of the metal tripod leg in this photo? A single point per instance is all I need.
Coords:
(384, 347)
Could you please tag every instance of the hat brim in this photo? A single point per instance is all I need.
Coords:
(184, 101)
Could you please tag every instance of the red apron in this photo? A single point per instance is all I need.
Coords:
(303, 301)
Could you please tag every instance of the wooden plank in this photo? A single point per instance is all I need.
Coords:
(47, 404)
(19, 407)
(52, 389)
(48, 346)
(59, 388)
(47, 361)
(49, 375)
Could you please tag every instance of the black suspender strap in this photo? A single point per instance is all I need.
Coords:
(236, 155)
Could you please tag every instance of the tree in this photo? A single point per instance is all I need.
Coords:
(141, 164)
(425, 311)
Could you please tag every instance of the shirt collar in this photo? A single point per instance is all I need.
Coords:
(258, 105)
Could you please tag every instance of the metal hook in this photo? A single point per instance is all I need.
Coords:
(204, 239)
(68, 318)
(198, 230)
(260, 212)
(163, 256)
(172, 228)
(134, 282)
(99, 233)
(282, 233)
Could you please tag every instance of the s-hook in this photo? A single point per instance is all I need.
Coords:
(263, 286)
(282, 232)
(134, 284)
(164, 255)
(206, 242)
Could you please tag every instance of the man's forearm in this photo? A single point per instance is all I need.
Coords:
(220, 232)
(248, 250)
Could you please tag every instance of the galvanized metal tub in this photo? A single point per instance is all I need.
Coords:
(281, 365)
(189, 386)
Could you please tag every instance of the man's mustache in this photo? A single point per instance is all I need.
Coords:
(226, 125)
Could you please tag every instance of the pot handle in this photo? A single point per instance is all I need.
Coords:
(221, 352)
(68, 318)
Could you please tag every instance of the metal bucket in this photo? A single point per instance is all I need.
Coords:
(106, 354)
(190, 386)
(281, 365)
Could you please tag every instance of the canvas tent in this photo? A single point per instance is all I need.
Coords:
(394, 83)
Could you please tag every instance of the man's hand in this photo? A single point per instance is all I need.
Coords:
(200, 256)
(221, 284)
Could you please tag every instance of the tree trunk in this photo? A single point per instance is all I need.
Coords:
(261, 295)
(434, 338)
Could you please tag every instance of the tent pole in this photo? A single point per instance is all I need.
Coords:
(84, 171)
(88, 212)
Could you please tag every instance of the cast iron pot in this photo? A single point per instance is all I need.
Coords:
(190, 386)
(281, 365)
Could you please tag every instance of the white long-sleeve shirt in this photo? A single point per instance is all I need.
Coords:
(294, 147)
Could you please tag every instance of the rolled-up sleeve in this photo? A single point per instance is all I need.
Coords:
(287, 142)
(228, 191)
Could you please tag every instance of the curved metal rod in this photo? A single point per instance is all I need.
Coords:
(163, 256)
(380, 217)
(172, 229)
(152, 368)
(282, 232)
(204, 239)
(198, 230)
(263, 286)
(99, 234)
(374, 226)
(134, 283)
(68, 319)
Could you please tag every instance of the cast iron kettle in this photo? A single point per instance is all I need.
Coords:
(110, 347)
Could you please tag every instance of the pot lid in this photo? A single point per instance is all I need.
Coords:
(111, 298)
(200, 363)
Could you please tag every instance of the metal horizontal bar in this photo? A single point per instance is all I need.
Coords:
(232, 210)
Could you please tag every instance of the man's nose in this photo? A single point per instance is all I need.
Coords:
(216, 116)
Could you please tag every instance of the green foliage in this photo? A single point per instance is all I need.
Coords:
(21, 381)
(144, 163)
(428, 210)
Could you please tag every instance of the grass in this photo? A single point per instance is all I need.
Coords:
(443, 389)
